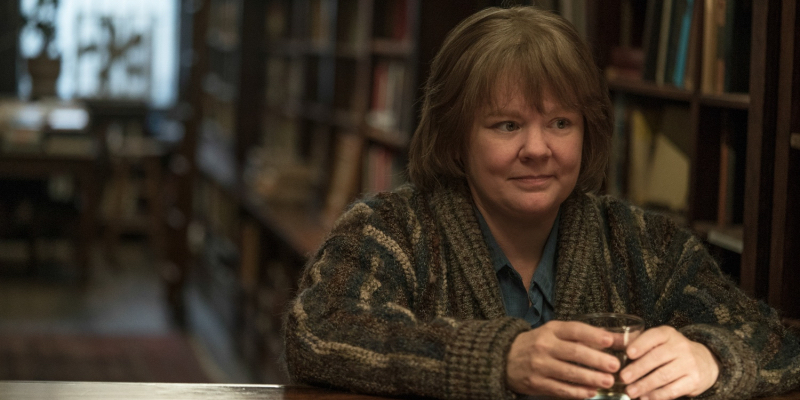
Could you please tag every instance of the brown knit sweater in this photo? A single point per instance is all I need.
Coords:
(402, 298)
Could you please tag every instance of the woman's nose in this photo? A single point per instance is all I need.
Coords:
(534, 144)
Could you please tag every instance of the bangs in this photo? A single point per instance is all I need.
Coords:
(536, 66)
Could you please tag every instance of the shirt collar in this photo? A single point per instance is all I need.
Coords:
(544, 276)
(546, 270)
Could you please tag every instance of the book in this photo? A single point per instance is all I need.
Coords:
(387, 106)
(345, 170)
(398, 20)
(380, 170)
(723, 16)
(349, 29)
(575, 11)
(689, 75)
(641, 137)
(679, 41)
(727, 161)
(663, 41)
(392, 20)
(659, 165)
(668, 180)
(737, 47)
(625, 62)
(650, 38)
(275, 21)
(616, 181)
(320, 22)
(710, 34)
(250, 256)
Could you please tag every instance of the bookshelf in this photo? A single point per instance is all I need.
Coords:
(739, 122)
(339, 92)
(300, 106)
(337, 114)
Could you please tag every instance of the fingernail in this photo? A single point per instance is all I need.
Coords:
(632, 352)
(608, 382)
(625, 376)
(632, 393)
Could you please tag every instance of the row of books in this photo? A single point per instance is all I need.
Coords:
(325, 21)
(292, 82)
(726, 46)
(388, 108)
(669, 39)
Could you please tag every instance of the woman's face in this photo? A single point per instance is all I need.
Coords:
(522, 164)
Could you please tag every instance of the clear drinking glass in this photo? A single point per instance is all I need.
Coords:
(625, 328)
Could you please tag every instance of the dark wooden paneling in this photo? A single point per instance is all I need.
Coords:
(785, 265)
(760, 147)
(9, 29)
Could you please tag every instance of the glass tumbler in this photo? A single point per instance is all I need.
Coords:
(625, 329)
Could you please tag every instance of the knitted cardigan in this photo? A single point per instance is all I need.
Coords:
(402, 298)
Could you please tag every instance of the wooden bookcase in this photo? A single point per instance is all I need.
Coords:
(9, 28)
(737, 130)
(298, 107)
(784, 271)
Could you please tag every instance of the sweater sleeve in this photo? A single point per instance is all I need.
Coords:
(356, 323)
(758, 355)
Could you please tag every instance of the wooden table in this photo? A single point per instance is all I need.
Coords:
(20, 390)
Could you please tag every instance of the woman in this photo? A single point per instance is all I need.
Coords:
(463, 284)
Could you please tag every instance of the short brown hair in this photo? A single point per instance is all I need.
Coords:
(546, 54)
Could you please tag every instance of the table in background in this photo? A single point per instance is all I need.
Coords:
(41, 139)
(84, 168)
(177, 391)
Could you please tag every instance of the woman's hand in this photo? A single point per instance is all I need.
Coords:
(667, 365)
(542, 361)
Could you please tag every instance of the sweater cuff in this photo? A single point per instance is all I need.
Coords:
(476, 360)
(738, 368)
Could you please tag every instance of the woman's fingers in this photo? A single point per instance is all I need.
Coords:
(661, 377)
(554, 360)
(667, 365)
(565, 390)
(586, 334)
(587, 357)
(671, 391)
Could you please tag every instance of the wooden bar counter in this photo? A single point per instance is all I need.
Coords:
(30, 390)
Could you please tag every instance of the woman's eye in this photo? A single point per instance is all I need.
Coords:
(507, 126)
(562, 123)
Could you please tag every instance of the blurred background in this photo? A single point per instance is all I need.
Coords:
(167, 166)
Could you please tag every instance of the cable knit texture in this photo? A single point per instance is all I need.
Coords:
(402, 298)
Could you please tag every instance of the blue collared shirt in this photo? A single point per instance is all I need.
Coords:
(535, 306)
